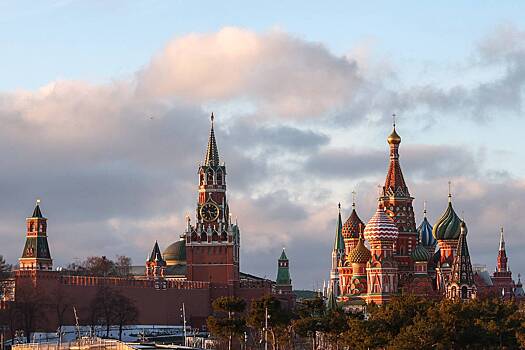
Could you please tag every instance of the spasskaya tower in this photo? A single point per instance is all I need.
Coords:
(212, 244)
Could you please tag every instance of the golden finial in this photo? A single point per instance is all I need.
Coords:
(425, 208)
(212, 117)
(394, 120)
(353, 199)
(394, 138)
(38, 201)
(449, 191)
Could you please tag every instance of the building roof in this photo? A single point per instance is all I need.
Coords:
(449, 224)
(339, 243)
(353, 226)
(381, 227)
(175, 253)
(420, 253)
(155, 255)
(425, 232)
(462, 266)
(212, 152)
(283, 256)
(360, 254)
(395, 182)
(37, 213)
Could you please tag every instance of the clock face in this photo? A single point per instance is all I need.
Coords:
(209, 212)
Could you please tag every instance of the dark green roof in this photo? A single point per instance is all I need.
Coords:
(155, 254)
(448, 226)
(283, 256)
(339, 243)
(36, 247)
(37, 213)
(212, 152)
(176, 252)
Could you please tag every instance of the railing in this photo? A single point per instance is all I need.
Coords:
(85, 343)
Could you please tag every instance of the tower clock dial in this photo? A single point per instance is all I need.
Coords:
(209, 212)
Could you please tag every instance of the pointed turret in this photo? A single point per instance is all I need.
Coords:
(339, 244)
(212, 152)
(395, 182)
(502, 254)
(283, 282)
(397, 202)
(338, 253)
(155, 265)
(36, 255)
(461, 284)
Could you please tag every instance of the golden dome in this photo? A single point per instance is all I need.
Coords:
(394, 138)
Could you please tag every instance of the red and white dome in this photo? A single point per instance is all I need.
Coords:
(381, 227)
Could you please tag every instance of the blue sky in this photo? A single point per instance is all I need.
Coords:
(303, 94)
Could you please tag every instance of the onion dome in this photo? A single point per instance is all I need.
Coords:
(425, 232)
(175, 253)
(353, 226)
(449, 225)
(420, 253)
(394, 138)
(381, 227)
(360, 254)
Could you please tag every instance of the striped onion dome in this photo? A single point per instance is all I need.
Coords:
(448, 226)
(381, 227)
(425, 233)
(420, 253)
(360, 254)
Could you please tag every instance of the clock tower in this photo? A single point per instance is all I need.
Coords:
(212, 243)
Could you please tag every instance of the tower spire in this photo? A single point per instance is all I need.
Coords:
(212, 152)
(501, 241)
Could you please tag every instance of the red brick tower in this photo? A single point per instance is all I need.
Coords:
(397, 202)
(212, 245)
(502, 278)
(36, 255)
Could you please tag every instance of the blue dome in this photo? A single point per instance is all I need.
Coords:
(425, 234)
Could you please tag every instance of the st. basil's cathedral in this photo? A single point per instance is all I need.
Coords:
(390, 255)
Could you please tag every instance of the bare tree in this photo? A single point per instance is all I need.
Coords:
(125, 312)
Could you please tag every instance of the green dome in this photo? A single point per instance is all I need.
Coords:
(175, 253)
(448, 226)
(420, 253)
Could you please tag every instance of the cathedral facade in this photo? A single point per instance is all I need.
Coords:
(390, 255)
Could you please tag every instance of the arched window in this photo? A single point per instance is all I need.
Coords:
(224, 237)
(204, 236)
(201, 177)
(464, 292)
(209, 177)
(219, 177)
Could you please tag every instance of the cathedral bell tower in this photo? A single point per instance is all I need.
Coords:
(212, 244)
(36, 254)
(397, 202)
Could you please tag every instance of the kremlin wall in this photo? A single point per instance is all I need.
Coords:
(202, 265)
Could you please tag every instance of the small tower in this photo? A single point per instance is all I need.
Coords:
(338, 253)
(36, 255)
(502, 277)
(357, 259)
(461, 285)
(155, 265)
(382, 269)
(283, 282)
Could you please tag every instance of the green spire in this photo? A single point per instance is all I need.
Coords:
(283, 271)
(339, 243)
(332, 301)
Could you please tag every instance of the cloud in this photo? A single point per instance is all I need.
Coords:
(281, 75)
